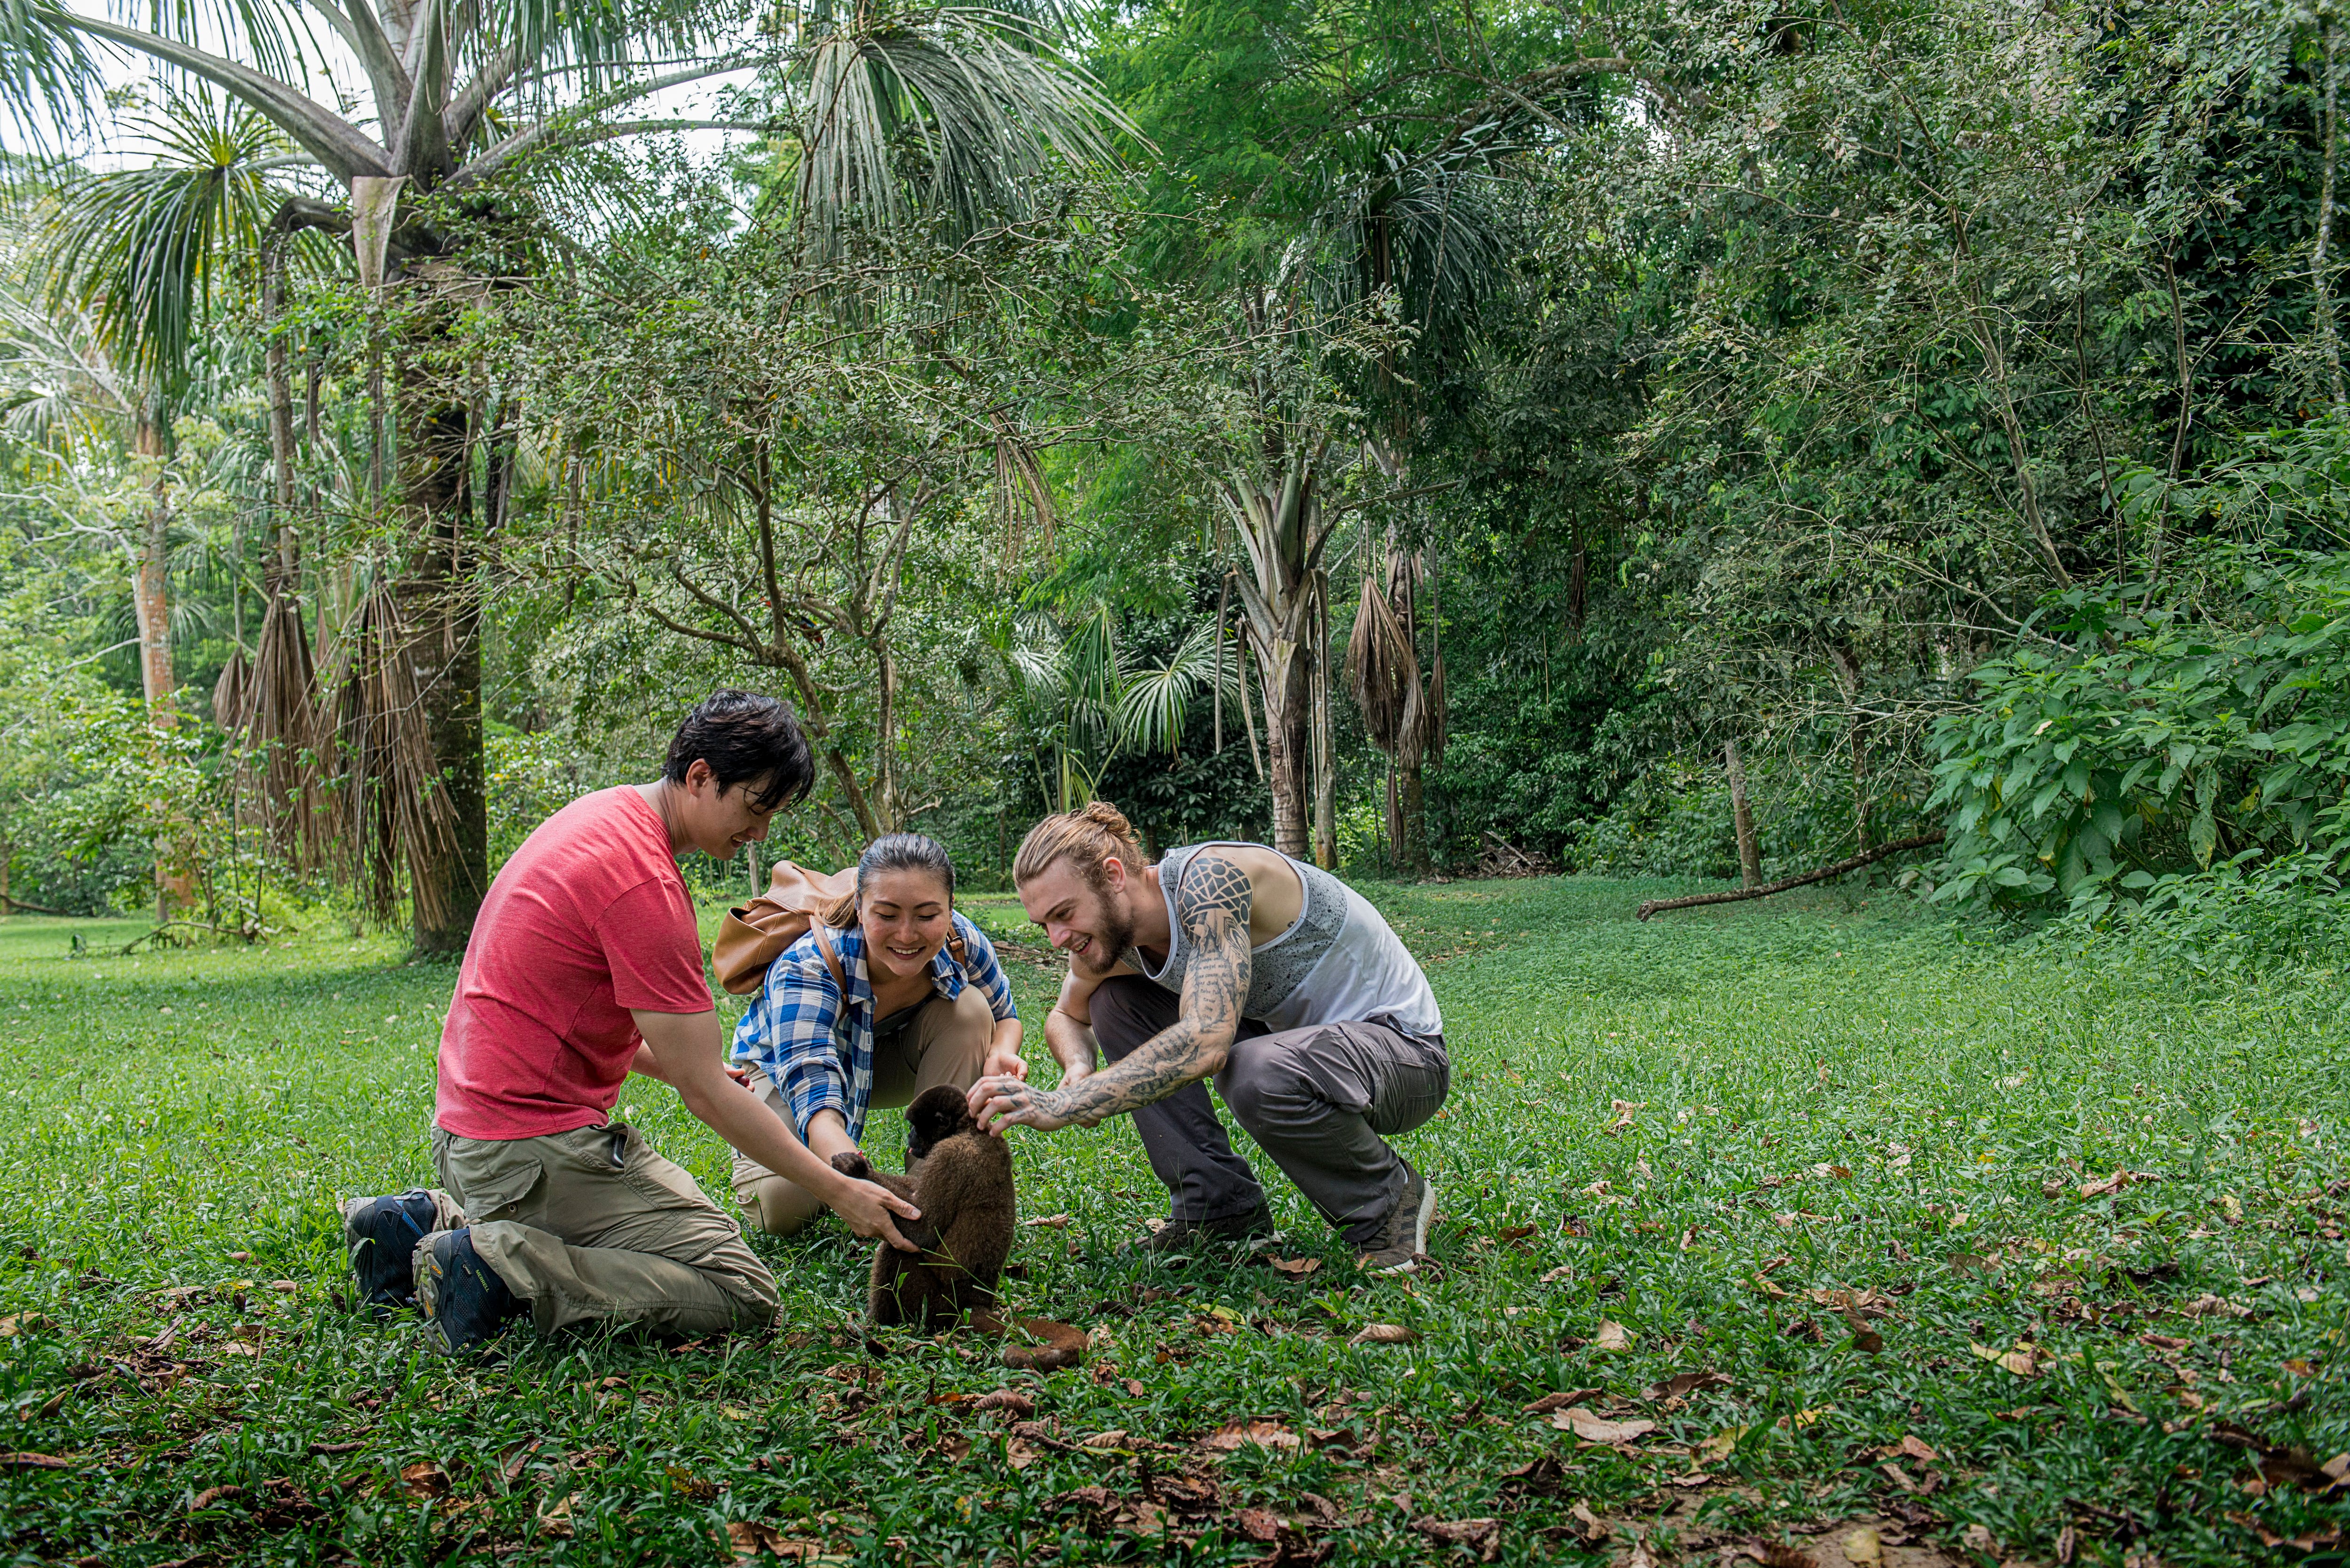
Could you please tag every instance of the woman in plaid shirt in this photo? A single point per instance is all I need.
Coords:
(891, 994)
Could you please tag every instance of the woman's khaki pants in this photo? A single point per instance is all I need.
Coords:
(947, 1044)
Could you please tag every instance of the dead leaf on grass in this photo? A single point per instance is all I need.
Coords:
(1384, 1334)
(691, 1486)
(2021, 1361)
(1296, 1267)
(2210, 1306)
(1482, 1536)
(556, 1520)
(1611, 1336)
(2106, 1186)
(1113, 1438)
(1052, 1222)
(1564, 1272)
(1549, 1402)
(1716, 1449)
(424, 1479)
(1233, 1436)
(1763, 1286)
(26, 1459)
(1011, 1401)
(1586, 1523)
(1593, 1427)
(1681, 1385)
(1862, 1548)
(1911, 1445)
(1624, 1112)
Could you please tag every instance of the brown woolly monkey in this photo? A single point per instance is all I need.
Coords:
(964, 1187)
(961, 1180)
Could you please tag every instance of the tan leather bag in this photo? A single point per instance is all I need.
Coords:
(750, 938)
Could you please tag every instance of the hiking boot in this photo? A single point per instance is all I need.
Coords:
(1402, 1236)
(465, 1301)
(382, 1234)
(1186, 1238)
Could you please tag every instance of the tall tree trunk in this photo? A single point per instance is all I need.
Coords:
(442, 611)
(2328, 336)
(150, 587)
(1286, 733)
(1326, 748)
(152, 605)
(1750, 854)
(1849, 678)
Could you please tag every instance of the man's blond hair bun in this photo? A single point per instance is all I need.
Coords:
(1095, 832)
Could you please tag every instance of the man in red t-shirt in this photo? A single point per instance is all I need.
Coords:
(586, 965)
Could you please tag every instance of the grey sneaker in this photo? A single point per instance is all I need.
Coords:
(1184, 1238)
(1403, 1238)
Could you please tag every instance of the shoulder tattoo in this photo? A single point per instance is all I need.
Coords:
(1213, 884)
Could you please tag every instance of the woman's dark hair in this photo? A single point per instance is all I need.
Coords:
(894, 852)
(748, 740)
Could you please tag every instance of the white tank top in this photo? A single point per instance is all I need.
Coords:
(1338, 962)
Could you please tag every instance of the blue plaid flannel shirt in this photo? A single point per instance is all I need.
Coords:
(817, 1045)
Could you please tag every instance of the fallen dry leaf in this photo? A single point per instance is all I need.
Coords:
(424, 1479)
(1296, 1267)
(1911, 1445)
(1483, 1536)
(556, 1520)
(1011, 1401)
(2020, 1360)
(1716, 1449)
(1764, 1285)
(1549, 1402)
(1052, 1222)
(1384, 1334)
(1593, 1427)
(1683, 1384)
(211, 1495)
(1862, 1548)
(26, 1459)
(1113, 1438)
(2210, 1306)
(1624, 1110)
(1593, 1527)
(1611, 1336)
(2106, 1186)
(1134, 1388)
(1261, 1524)
(691, 1486)
(1564, 1272)
(1233, 1436)
(1980, 1537)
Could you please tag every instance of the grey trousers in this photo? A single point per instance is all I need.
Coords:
(1321, 1101)
(592, 1224)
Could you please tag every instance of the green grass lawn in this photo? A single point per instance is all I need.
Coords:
(1828, 1153)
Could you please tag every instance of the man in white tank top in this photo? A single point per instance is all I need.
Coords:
(1232, 961)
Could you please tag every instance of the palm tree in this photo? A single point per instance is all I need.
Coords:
(467, 98)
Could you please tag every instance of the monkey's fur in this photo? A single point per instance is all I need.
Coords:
(962, 1182)
(964, 1191)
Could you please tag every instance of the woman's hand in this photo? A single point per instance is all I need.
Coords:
(867, 1210)
(1007, 1060)
(1003, 1101)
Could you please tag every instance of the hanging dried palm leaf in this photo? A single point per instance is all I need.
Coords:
(276, 724)
(390, 809)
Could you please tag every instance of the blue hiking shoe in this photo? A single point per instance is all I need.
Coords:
(382, 1234)
(465, 1303)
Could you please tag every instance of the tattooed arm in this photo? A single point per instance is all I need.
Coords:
(1212, 905)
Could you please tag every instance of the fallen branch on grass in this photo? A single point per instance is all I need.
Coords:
(13, 902)
(1922, 841)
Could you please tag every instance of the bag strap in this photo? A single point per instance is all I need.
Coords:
(831, 958)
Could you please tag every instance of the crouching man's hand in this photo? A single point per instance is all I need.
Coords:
(1003, 1101)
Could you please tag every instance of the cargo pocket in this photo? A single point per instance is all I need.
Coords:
(491, 1179)
(618, 1151)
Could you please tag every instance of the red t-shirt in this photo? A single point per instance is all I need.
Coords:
(589, 920)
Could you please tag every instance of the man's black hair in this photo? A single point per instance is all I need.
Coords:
(749, 740)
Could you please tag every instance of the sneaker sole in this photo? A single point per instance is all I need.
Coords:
(1420, 1228)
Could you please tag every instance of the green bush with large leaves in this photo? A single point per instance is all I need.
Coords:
(2165, 747)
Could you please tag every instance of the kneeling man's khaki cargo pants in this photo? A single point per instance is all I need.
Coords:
(592, 1224)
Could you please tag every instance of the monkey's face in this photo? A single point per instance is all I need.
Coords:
(939, 1114)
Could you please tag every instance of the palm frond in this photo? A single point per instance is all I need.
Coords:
(47, 78)
(146, 251)
(955, 109)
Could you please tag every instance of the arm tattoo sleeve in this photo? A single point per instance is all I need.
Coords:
(1212, 903)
